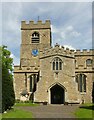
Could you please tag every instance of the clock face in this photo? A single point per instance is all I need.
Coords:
(35, 52)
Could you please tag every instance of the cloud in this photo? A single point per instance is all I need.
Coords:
(16, 60)
(69, 46)
(11, 24)
(71, 22)
(0, 24)
(69, 32)
(47, 1)
(66, 33)
(54, 29)
(69, 28)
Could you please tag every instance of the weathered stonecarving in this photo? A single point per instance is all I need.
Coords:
(53, 75)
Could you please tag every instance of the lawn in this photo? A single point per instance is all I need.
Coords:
(25, 104)
(17, 112)
(85, 111)
(0, 116)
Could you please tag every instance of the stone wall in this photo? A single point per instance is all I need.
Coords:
(65, 77)
(74, 62)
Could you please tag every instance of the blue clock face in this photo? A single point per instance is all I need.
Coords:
(35, 52)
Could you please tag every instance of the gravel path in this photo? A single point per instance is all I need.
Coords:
(52, 111)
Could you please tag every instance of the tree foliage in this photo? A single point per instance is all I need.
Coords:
(8, 96)
(7, 61)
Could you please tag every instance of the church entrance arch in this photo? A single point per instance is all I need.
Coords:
(57, 94)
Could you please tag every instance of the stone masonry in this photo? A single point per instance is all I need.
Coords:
(52, 74)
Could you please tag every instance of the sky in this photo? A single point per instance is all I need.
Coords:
(71, 23)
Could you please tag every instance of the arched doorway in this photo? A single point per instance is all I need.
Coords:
(57, 94)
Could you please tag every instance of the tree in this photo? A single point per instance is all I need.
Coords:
(8, 96)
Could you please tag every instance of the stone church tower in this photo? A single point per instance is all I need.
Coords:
(52, 74)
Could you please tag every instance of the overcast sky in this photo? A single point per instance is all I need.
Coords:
(71, 23)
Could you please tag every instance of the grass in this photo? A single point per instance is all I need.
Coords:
(25, 104)
(17, 112)
(0, 116)
(85, 111)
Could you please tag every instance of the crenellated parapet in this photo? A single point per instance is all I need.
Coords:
(84, 52)
(33, 25)
(61, 50)
(57, 50)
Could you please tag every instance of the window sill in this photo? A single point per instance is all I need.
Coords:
(83, 93)
(56, 71)
(35, 43)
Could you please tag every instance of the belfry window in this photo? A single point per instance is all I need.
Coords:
(81, 80)
(57, 64)
(35, 37)
(89, 62)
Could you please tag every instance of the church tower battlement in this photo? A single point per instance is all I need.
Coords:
(33, 25)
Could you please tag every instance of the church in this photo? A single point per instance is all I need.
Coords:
(55, 75)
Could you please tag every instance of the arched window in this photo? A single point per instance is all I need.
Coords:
(81, 80)
(89, 62)
(35, 37)
(57, 64)
(33, 82)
